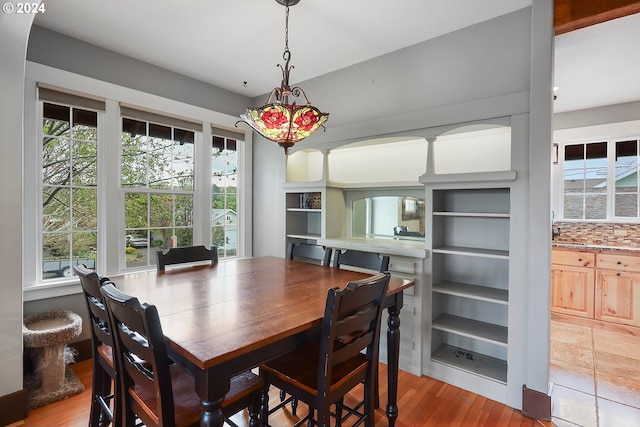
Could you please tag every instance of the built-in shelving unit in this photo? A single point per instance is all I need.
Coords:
(469, 241)
(304, 214)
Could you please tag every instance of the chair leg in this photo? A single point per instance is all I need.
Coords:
(264, 406)
(254, 411)
(101, 386)
(339, 406)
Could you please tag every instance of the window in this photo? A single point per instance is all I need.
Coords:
(69, 189)
(224, 192)
(157, 176)
(600, 181)
(112, 184)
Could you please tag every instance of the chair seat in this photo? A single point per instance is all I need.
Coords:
(106, 352)
(300, 367)
(186, 401)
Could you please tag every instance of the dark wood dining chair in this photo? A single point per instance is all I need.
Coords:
(154, 389)
(104, 403)
(361, 259)
(322, 372)
(307, 252)
(186, 254)
(368, 261)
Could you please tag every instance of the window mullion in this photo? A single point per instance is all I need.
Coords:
(110, 198)
(611, 179)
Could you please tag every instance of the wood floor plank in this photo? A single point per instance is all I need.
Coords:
(423, 402)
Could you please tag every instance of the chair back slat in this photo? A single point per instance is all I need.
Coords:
(361, 259)
(351, 325)
(186, 254)
(306, 252)
(99, 319)
(142, 354)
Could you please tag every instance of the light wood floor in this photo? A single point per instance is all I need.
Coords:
(422, 401)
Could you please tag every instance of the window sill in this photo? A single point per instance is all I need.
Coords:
(51, 290)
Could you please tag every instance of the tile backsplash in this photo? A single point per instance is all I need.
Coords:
(597, 234)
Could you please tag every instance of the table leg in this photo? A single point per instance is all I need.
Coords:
(393, 355)
(211, 387)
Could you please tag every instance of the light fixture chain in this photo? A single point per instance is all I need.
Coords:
(286, 29)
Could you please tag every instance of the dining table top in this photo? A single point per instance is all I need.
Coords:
(214, 313)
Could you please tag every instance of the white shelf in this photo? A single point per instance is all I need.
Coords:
(476, 363)
(304, 210)
(304, 236)
(473, 214)
(483, 331)
(478, 252)
(477, 292)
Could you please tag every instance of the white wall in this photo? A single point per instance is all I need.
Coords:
(14, 33)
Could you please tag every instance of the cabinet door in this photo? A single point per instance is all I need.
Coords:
(618, 297)
(572, 290)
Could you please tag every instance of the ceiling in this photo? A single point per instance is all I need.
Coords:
(229, 42)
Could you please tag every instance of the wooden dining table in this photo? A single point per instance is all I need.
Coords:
(222, 319)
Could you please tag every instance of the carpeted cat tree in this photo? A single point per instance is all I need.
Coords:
(47, 335)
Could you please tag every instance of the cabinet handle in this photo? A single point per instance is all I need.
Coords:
(619, 262)
(579, 259)
(618, 274)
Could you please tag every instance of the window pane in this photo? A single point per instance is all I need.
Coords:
(85, 163)
(85, 248)
(626, 205)
(596, 206)
(625, 150)
(160, 171)
(55, 209)
(85, 209)
(595, 180)
(574, 181)
(184, 237)
(574, 152)
(136, 210)
(573, 207)
(184, 211)
(161, 210)
(136, 251)
(56, 160)
(85, 125)
(160, 239)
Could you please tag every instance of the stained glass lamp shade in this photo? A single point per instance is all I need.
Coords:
(283, 122)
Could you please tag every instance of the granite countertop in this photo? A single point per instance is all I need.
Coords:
(595, 248)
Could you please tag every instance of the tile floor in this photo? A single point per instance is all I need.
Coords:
(596, 377)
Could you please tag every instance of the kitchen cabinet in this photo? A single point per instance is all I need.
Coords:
(617, 290)
(603, 286)
(572, 283)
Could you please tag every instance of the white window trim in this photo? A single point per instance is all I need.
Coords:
(114, 94)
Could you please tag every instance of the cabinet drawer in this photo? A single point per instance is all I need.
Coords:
(575, 259)
(619, 262)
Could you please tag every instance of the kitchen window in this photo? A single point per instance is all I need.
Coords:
(600, 181)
